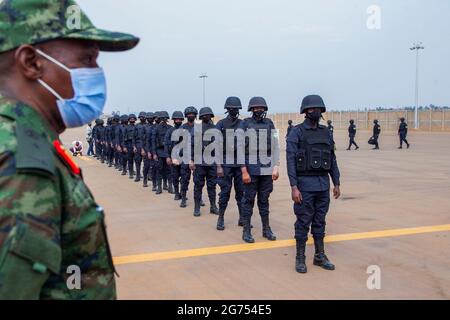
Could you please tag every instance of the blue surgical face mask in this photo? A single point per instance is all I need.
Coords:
(89, 86)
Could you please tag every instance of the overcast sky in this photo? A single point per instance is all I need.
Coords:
(279, 49)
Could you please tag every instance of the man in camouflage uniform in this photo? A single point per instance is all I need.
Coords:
(49, 220)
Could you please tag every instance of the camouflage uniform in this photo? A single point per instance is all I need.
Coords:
(49, 219)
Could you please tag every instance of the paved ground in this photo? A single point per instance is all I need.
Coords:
(163, 252)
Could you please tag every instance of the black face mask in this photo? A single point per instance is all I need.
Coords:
(132, 122)
(191, 119)
(314, 116)
(234, 113)
(178, 124)
(259, 114)
(206, 119)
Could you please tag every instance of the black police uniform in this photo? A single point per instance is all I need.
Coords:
(352, 135)
(175, 170)
(261, 184)
(162, 173)
(128, 142)
(148, 161)
(376, 135)
(403, 133)
(232, 170)
(138, 144)
(204, 172)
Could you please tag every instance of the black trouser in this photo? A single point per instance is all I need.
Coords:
(176, 177)
(403, 139)
(98, 149)
(185, 178)
(231, 175)
(162, 170)
(147, 167)
(138, 161)
(201, 174)
(375, 141)
(311, 213)
(261, 186)
(352, 142)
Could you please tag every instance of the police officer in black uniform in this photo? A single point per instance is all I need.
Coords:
(310, 160)
(123, 143)
(107, 145)
(230, 172)
(205, 171)
(376, 135)
(159, 154)
(403, 133)
(257, 179)
(190, 114)
(98, 134)
(129, 136)
(147, 152)
(352, 135)
(120, 143)
(138, 143)
(174, 165)
(113, 158)
(331, 129)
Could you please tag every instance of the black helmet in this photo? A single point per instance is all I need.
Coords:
(257, 102)
(206, 111)
(329, 122)
(132, 116)
(97, 121)
(375, 121)
(163, 115)
(101, 122)
(124, 118)
(290, 122)
(190, 110)
(233, 103)
(352, 121)
(116, 118)
(312, 101)
(142, 114)
(177, 115)
(402, 119)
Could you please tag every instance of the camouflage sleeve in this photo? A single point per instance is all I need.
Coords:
(29, 225)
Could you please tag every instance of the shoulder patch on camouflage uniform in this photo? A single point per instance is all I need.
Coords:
(33, 151)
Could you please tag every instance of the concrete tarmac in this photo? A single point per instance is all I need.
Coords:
(163, 252)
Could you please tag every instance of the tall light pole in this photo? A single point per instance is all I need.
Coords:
(417, 46)
(204, 76)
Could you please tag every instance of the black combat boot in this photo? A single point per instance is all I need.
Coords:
(159, 188)
(154, 188)
(221, 220)
(131, 176)
(320, 259)
(183, 203)
(196, 208)
(213, 209)
(300, 264)
(247, 233)
(267, 231)
(177, 193)
(138, 176)
(171, 191)
(145, 184)
(165, 186)
(124, 172)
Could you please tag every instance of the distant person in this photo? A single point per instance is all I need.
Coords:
(403, 133)
(376, 134)
(77, 148)
(331, 129)
(290, 127)
(90, 140)
(352, 135)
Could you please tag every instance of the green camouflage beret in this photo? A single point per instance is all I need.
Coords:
(35, 21)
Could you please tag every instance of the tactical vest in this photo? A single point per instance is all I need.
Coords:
(161, 131)
(129, 133)
(315, 151)
(260, 126)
